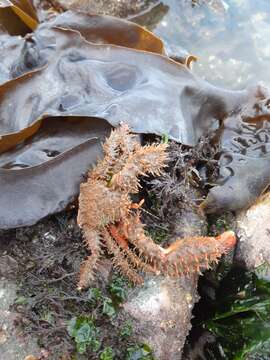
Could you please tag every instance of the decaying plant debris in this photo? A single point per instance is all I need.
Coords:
(189, 172)
(110, 219)
(48, 256)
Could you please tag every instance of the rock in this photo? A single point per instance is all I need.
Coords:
(253, 230)
(120, 8)
(189, 224)
(8, 266)
(162, 313)
(13, 346)
(3, 337)
(161, 310)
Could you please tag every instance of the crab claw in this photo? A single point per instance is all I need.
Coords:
(228, 239)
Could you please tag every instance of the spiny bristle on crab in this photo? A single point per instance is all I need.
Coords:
(144, 160)
(116, 150)
(93, 243)
(120, 261)
(110, 220)
(185, 256)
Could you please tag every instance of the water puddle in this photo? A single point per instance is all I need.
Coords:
(230, 37)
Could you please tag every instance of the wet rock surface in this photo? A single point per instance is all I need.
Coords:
(8, 266)
(13, 344)
(161, 312)
(120, 8)
(253, 230)
(38, 295)
(18, 341)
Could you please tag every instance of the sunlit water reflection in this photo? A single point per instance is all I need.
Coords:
(230, 37)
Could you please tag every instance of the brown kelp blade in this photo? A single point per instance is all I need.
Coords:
(244, 161)
(36, 48)
(148, 91)
(20, 56)
(11, 48)
(24, 10)
(43, 176)
(11, 24)
(54, 137)
(103, 29)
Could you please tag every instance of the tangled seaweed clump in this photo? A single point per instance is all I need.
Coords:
(111, 220)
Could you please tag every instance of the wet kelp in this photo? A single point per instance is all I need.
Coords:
(23, 9)
(11, 48)
(244, 160)
(42, 154)
(94, 28)
(150, 92)
(109, 30)
(25, 56)
(59, 73)
(43, 177)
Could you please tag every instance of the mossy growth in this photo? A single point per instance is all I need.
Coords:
(221, 223)
(159, 235)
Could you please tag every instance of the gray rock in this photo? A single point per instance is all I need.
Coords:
(13, 345)
(120, 8)
(161, 313)
(253, 230)
(8, 266)
(161, 310)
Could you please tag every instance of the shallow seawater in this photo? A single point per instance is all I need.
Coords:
(230, 37)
